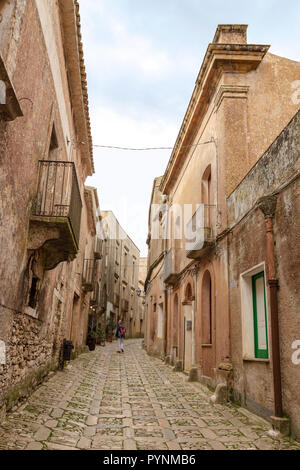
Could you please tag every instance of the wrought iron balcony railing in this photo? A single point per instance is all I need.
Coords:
(199, 231)
(58, 194)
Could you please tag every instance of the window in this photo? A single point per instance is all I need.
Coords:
(206, 309)
(160, 319)
(260, 316)
(254, 314)
(33, 293)
(206, 196)
(53, 148)
(125, 264)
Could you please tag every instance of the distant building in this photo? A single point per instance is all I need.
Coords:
(139, 314)
(120, 274)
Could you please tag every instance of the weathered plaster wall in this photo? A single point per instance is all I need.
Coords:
(33, 344)
(276, 172)
(279, 163)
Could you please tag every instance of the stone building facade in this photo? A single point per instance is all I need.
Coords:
(156, 294)
(120, 273)
(94, 265)
(263, 259)
(241, 102)
(139, 317)
(45, 219)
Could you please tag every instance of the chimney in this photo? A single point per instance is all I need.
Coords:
(231, 34)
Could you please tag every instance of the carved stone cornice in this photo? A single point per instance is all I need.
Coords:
(219, 59)
(74, 55)
(230, 91)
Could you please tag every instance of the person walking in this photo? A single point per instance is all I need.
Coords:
(120, 334)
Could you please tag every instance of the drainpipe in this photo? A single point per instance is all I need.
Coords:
(166, 323)
(268, 206)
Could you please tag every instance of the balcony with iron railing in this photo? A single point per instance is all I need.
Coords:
(88, 275)
(170, 274)
(200, 232)
(56, 217)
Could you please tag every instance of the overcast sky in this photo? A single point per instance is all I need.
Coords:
(142, 59)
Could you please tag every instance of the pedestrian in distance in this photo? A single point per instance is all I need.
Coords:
(120, 334)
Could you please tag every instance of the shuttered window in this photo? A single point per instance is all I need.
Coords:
(260, 317)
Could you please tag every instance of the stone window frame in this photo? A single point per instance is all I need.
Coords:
(160, 321)
(247, 313)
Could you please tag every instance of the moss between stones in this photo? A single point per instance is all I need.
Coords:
(79, 350)
(25, 388)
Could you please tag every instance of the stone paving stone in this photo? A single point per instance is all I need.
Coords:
(57, 413)
(54, 446)
(106, 401)
(51, 424)
(129, 444)
(42, 434)
(84, 443)
(169, 435)
(91, 420)
(89, 432)
(172, 445)
(34, 446)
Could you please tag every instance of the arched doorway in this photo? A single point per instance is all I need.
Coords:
(188, 320)
(207, 326)
(175, 329)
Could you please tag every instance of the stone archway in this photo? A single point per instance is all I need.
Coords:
(207, 325)
(188, 327)
(175, 330)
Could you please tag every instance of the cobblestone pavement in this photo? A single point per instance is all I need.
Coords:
(104, 401)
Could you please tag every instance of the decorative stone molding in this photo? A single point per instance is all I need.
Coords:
(267, 205)
(230, 91)
(220, 58)
(71, 25)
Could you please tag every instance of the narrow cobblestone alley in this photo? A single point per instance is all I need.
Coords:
(106, 401)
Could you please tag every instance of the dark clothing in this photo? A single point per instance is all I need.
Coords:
(118, 332)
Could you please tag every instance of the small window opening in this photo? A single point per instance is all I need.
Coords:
(33, 294)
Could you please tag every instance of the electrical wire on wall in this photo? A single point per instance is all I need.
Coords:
(143, 149)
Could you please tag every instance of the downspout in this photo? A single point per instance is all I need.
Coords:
(268, 206)
(166, 323)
